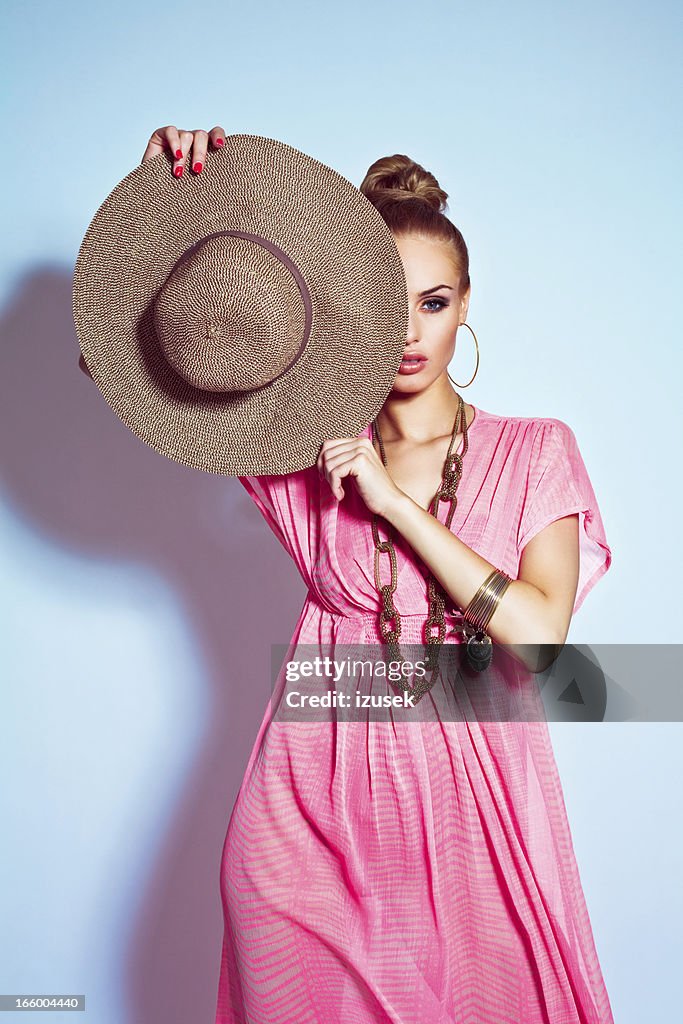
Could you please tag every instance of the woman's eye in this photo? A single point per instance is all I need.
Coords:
(441, 304)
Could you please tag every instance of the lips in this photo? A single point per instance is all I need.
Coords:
(412, 364)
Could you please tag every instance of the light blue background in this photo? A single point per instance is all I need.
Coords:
(130, 700)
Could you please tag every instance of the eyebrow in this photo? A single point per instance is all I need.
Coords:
(434, 289)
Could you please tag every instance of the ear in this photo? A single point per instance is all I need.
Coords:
(464, 306)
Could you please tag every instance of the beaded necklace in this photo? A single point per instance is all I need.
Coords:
(450, 479)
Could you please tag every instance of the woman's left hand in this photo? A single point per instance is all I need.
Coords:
(355, 456)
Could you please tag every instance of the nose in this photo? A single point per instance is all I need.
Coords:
(412, 335)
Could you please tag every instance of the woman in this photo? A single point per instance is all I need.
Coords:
(421, 874)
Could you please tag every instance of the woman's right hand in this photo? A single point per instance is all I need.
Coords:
(177, 140)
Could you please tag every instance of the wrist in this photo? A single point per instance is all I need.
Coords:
(397, 506)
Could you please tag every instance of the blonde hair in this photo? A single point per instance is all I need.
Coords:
(411, 201)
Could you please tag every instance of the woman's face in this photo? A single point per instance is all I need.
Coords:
(435, 311)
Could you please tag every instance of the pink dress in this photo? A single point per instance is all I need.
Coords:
(425, 874)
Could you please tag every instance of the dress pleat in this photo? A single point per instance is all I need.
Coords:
(419, 872)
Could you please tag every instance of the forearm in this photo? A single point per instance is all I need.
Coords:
(524, 617)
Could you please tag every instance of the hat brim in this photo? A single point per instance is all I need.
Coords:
(346, 254)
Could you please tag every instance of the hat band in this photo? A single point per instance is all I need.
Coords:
(293, 269)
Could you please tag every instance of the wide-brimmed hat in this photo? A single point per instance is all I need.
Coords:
(237, 318)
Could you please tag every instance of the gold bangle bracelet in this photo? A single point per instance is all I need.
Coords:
(487, 598)
(481, 610)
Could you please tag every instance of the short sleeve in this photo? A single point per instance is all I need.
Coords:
(558, 485)
(286, 503)
(260, 490)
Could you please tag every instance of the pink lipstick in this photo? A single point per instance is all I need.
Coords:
(412, 364)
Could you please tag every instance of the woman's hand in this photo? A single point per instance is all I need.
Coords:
(179, 141)
(355, 456)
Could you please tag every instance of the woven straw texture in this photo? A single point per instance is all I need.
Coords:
(151, 332)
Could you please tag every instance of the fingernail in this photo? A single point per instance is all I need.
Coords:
(197, 168)
(178, 172)
(219, 142)
(179, 154)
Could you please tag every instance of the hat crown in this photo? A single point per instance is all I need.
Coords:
(232, 314)
(181, 299)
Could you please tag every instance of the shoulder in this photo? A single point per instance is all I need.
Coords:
(494, 419)
(527, 431)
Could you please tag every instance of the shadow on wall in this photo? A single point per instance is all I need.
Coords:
(79, 476)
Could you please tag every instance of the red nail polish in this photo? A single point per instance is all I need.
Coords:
(179, 154)
(197, 168)
(219, 142)
(178, 172)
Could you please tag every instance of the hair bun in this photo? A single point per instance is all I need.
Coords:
(400, 177)
(412, 202)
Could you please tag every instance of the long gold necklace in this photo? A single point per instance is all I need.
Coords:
(452, 472)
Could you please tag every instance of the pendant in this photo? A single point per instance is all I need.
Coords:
(479, 646)
(479, 651)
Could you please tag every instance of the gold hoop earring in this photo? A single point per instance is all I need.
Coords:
(476, 369)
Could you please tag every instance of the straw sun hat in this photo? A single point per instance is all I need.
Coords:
(236, 319)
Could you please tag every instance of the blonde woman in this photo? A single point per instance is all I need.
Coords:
(424, 874)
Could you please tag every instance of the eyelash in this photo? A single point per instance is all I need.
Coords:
(444, 304)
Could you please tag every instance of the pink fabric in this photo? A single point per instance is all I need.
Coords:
(426, 873)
